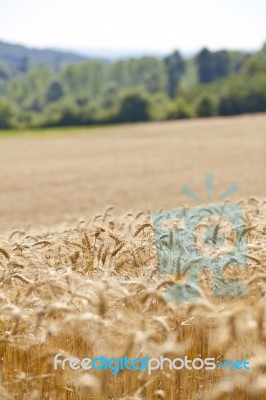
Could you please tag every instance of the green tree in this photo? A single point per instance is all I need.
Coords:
(183, 109)
(29, 90)
(205, 66)
(221, 64)
(213, 66)
(134, 107)
(24, 65)
(175, 67)
(205, 106)
(255, 65)
(160, 106)
(180, 109)
(109, 96)
(84, 79)
(62, 113)
(263, 49)
(55, 92)
(118, 73)
(7, 114)
(148, 72)
(5, 71)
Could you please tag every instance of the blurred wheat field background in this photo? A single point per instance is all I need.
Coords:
(47, 178)
(81, 278)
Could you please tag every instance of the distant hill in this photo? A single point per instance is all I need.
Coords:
(20, 57)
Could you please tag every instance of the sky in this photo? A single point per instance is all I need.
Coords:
(139, 25)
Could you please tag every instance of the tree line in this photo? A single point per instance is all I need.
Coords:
(132, 90)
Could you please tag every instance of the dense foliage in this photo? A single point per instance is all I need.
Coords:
(131, 90)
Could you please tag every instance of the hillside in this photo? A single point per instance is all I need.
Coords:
(19, 56)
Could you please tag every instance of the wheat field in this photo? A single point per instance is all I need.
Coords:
(82, 280)
(50, 177)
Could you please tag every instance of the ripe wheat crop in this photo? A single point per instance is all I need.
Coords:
(93, 287)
